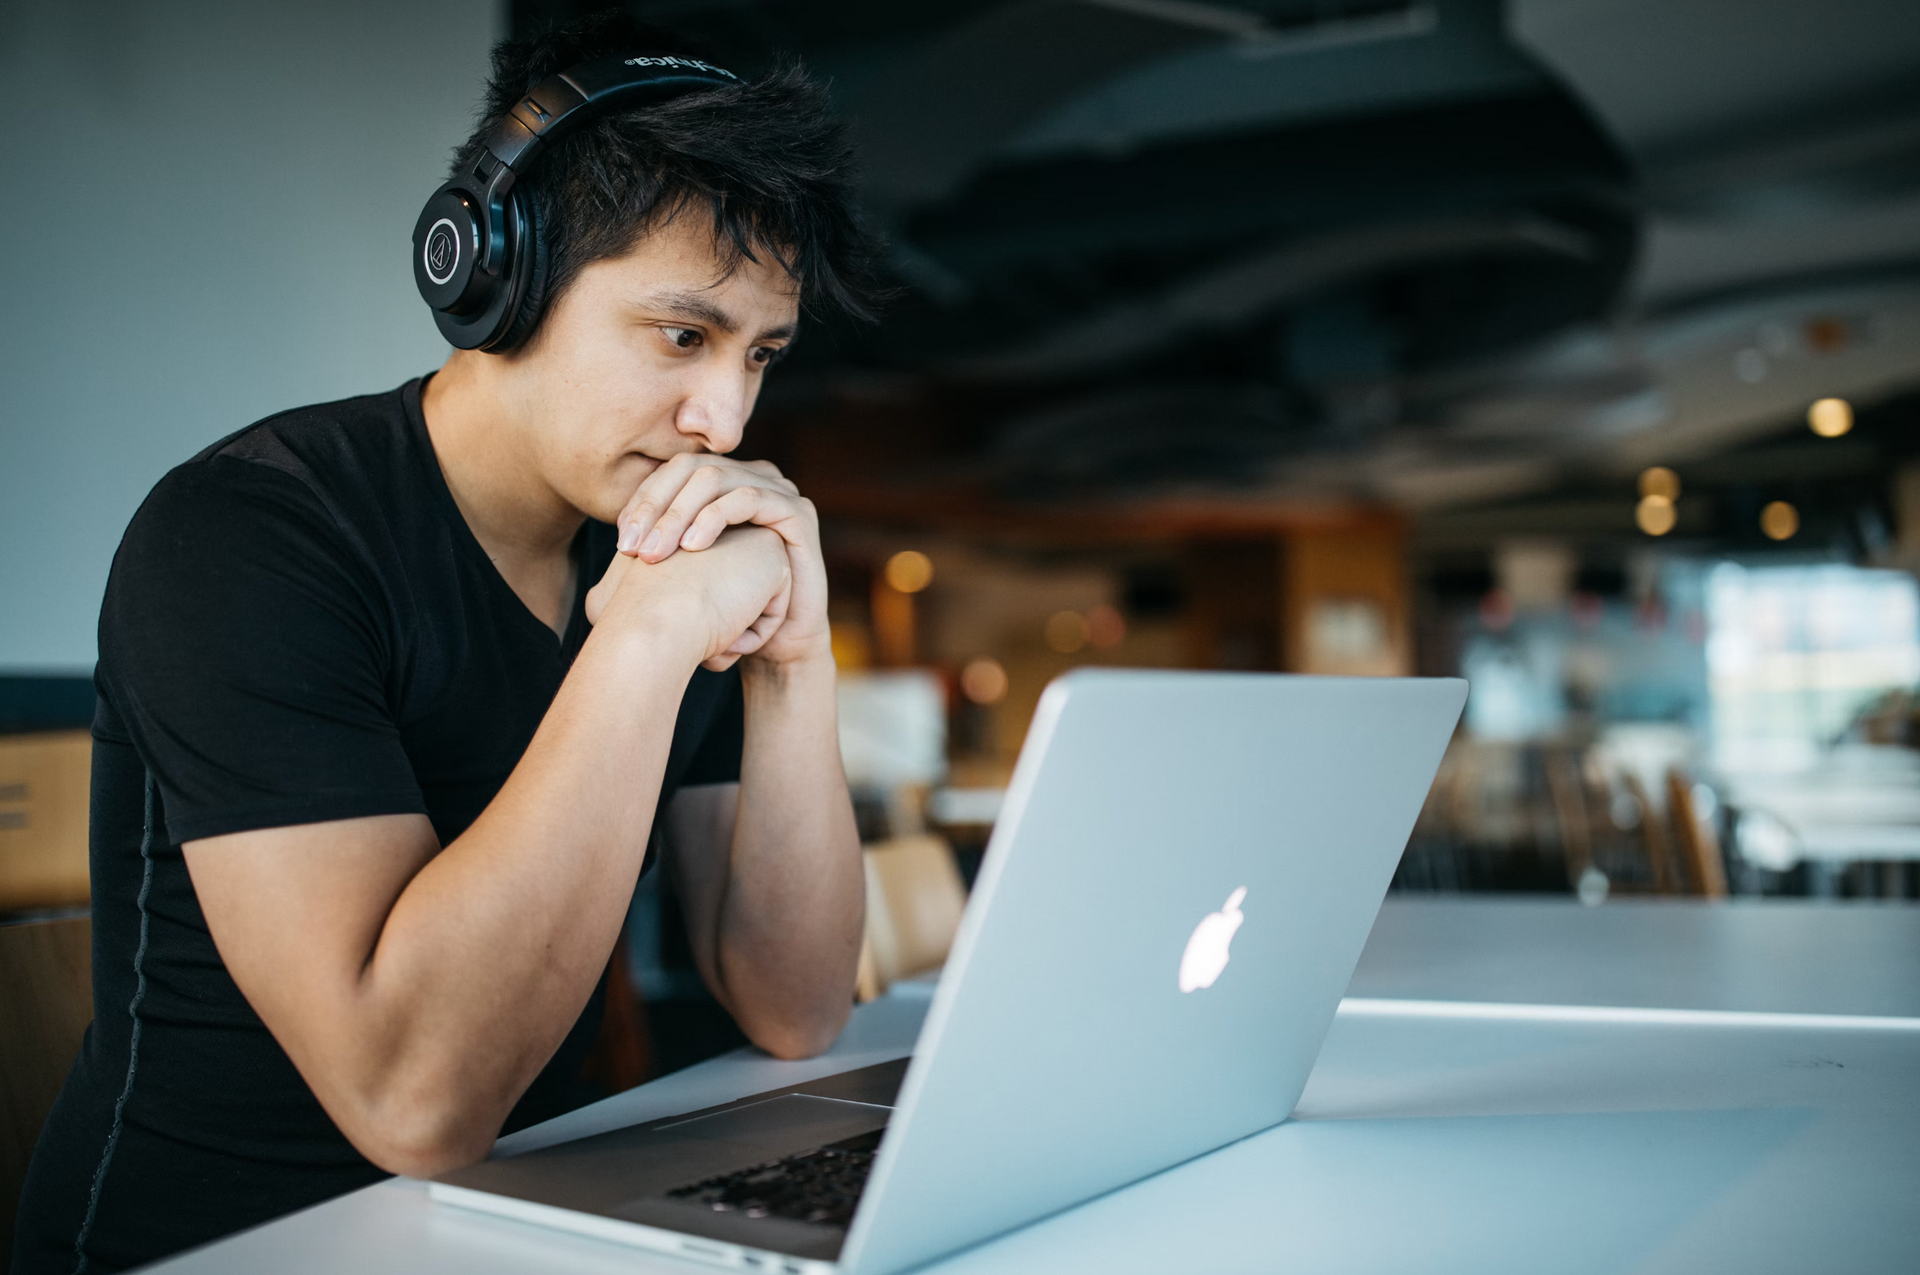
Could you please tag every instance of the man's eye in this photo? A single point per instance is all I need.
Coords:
(685, 338)
(767, 355)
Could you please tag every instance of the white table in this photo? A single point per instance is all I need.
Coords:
(1431, 1137)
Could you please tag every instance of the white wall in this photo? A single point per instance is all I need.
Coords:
(204, 218)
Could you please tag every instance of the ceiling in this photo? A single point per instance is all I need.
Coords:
(1441, 255)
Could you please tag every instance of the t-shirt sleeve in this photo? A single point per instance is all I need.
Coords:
(716, 759)
(241, 641)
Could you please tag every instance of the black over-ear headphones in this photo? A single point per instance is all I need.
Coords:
(478, 255)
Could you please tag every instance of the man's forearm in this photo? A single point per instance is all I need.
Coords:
(788, 934)
(492, 949)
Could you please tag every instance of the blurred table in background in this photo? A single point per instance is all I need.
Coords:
(1859, 809)
(1773, 956)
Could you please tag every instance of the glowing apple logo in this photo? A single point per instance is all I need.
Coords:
(1207, 953)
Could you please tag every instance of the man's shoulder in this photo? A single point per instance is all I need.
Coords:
(320, 456)
(310, 471)
(354, 438)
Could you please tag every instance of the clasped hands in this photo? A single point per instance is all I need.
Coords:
(761, 590)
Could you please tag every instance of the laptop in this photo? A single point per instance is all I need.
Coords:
(1173, 901)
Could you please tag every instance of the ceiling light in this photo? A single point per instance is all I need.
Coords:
(1779, 520)
(1655, 515)
(1830, 417)
(1660, 481)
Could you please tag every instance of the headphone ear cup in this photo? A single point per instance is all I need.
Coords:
(530, 266)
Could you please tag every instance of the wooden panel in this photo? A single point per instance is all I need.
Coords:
(1346, 608)
(1233, 604)
(43, 819)
(46, 1001)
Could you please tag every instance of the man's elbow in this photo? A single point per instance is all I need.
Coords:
(421, 1143)
(791, 1038)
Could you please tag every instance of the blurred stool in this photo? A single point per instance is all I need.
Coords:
(914, 901)
(46, 1002)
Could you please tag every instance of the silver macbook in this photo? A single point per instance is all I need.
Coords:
(1181, 880)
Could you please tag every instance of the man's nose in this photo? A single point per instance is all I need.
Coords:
(715, 412)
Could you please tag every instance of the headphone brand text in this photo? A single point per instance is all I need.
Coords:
(691, 63)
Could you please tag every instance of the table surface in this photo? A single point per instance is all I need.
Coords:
(1463, 1141)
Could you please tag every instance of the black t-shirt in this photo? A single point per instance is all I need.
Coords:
(299, 626)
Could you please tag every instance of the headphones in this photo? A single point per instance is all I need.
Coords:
(479, 258)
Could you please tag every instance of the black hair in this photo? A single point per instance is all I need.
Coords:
(766, 159)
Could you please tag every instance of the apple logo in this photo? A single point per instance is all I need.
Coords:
(1207, 953)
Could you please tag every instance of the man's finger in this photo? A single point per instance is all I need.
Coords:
(652, 499)
(700, 488)
(759, 505)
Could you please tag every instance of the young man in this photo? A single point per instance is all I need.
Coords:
(395, 692)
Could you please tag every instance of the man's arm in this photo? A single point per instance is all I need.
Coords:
(419, 990)
(769, 870)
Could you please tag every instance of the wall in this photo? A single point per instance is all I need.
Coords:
(206, 218)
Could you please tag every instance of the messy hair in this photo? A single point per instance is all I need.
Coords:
(765, 160)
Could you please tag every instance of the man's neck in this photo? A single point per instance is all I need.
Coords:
(525, 526)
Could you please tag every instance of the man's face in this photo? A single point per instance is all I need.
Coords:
(646, 356)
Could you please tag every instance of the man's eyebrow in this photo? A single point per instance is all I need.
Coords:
(695, 308)
(692, 307)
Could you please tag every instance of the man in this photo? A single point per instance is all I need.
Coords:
(395, 692)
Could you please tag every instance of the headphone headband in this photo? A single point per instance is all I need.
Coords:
(559, 103)
(477, 252)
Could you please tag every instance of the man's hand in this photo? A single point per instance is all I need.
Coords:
(689, 501)
(734, 597)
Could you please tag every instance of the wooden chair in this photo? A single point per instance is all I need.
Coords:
(1704, 869)
(1570, 812)
(46, 1002)
(914, 901)
(1653, 838)
(622, 1054)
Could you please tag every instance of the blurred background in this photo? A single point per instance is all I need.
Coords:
(1571, 346)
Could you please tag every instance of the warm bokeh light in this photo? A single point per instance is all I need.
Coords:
(1066, 631)
(984, 681)
(1830, 417)
(1660, 481)
(1105, 627)
(909, 571)
(1779, 520)
(1655, 515)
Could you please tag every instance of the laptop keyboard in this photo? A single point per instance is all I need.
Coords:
(821, 1185)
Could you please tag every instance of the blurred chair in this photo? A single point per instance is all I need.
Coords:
(1571, 812)
(914, 901)
(622, 1054)
(1653, 838)
(1705, 871)
(46, 1001)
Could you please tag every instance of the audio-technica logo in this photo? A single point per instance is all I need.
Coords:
(693, 63)
(442, 252)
